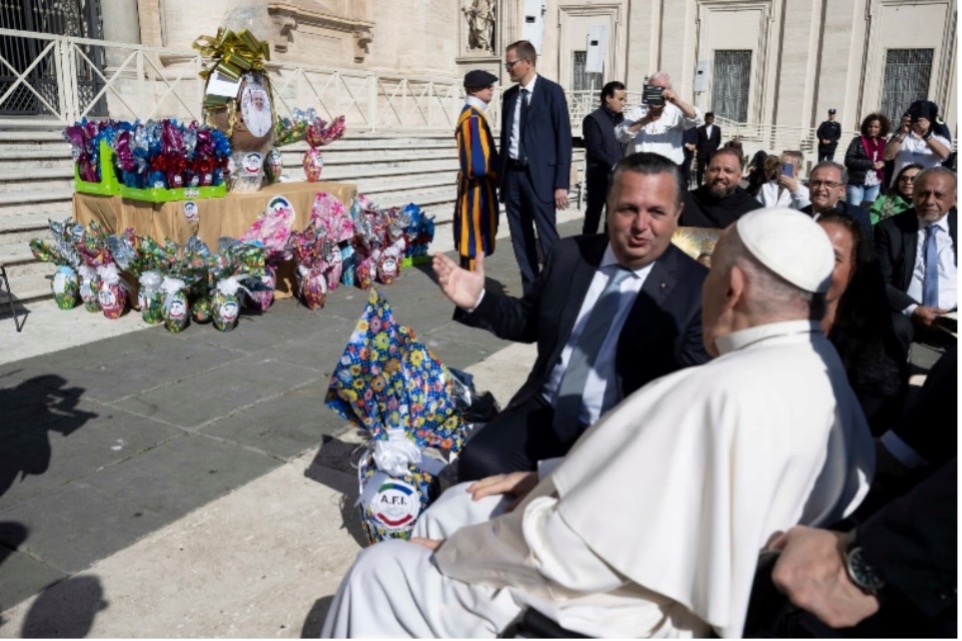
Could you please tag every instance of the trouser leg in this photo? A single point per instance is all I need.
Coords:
(597, 190)
(515, 440)
(545, 221)
(395, 590)
(520, 223)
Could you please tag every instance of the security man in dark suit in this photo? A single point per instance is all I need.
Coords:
(709, 140)
(828, 134)
(918, 255)
(536, 157)
(608, 313)
(602, 150)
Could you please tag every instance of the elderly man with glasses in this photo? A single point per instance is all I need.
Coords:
(826, 186)
(535, 158)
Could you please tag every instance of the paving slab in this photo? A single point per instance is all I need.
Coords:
(210, 394)
(22, 575)
(284, 425)
(40, 452)
(92, 518)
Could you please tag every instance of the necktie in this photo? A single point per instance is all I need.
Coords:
(930, 259)
(522, 121)
(571, 391)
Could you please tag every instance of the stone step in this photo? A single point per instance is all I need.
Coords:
(35, 201)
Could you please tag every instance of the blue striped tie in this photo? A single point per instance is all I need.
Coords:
(571, 391)
(930, 259)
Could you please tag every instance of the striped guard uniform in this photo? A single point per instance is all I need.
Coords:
(476, 210)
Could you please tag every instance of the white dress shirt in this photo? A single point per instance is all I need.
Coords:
(516, 118)
(915, 150)
(664, 136)
(601, 387)
(948, 283)
(476, 102)
(770, 196)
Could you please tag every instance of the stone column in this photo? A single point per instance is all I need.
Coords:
(120, 24)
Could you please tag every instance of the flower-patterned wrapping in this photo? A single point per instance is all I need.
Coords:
(329, 214)
(176, 310)
(150, 298)
(312, 285)
(389, 383)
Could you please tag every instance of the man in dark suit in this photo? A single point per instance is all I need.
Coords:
(602, 150)
(709, 140)
(826, 186)
(536, 157)
(895, 573)
(609, 314)
(918, 254)
(828, 134)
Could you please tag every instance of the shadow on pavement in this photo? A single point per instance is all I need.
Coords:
(66, 610)
(315, 618)
(32, 409)
(335, 466)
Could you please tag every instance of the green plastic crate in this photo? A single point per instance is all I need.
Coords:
(108, 185)
(162, 195)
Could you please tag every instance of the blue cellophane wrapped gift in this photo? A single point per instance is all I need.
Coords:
(390, 384)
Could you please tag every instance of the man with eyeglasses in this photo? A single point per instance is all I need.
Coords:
(826, 186)
(536, 158)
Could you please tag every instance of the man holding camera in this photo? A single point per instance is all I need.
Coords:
(659, 125)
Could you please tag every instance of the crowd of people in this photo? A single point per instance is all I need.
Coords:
(682, 424)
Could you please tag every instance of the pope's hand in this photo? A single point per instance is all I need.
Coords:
(517, 484)
(431, 544)
(461, 286)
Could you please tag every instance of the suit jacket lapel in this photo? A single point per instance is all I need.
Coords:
(911, 239)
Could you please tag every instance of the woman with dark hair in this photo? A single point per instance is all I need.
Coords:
(864, 160)
(602, 150)
(857, 322)
(898, 198)
(757, 175)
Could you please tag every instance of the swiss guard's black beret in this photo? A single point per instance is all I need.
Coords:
(479, 78)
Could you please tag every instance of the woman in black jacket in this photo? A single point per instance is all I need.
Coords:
(864, 160)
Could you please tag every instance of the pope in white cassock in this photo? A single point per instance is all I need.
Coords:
(652, 524)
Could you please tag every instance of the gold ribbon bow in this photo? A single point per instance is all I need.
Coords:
(233, 54)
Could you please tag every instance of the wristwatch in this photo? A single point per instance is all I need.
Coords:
(863, 575)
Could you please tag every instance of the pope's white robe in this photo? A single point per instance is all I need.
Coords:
(653, 523)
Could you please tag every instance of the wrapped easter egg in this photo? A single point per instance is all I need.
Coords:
(65, 286)
(313, 164)
(365, 272)
(111, 294)
(175, 311)
(388, 265)
(274, 166)
(263, 297)
(150, 298)
(88, 287)
(333, 269)
(224, 305)
(200, 311)
(313, 287)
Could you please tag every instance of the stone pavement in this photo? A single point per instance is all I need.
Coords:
(157, 484)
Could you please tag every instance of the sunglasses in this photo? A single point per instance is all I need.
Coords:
(508, 65)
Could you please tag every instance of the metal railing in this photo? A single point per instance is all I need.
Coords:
(145, 82)
(151, 82)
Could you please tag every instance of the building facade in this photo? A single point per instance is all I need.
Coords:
(779, 63)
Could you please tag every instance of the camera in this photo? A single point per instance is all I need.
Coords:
(652, 95)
